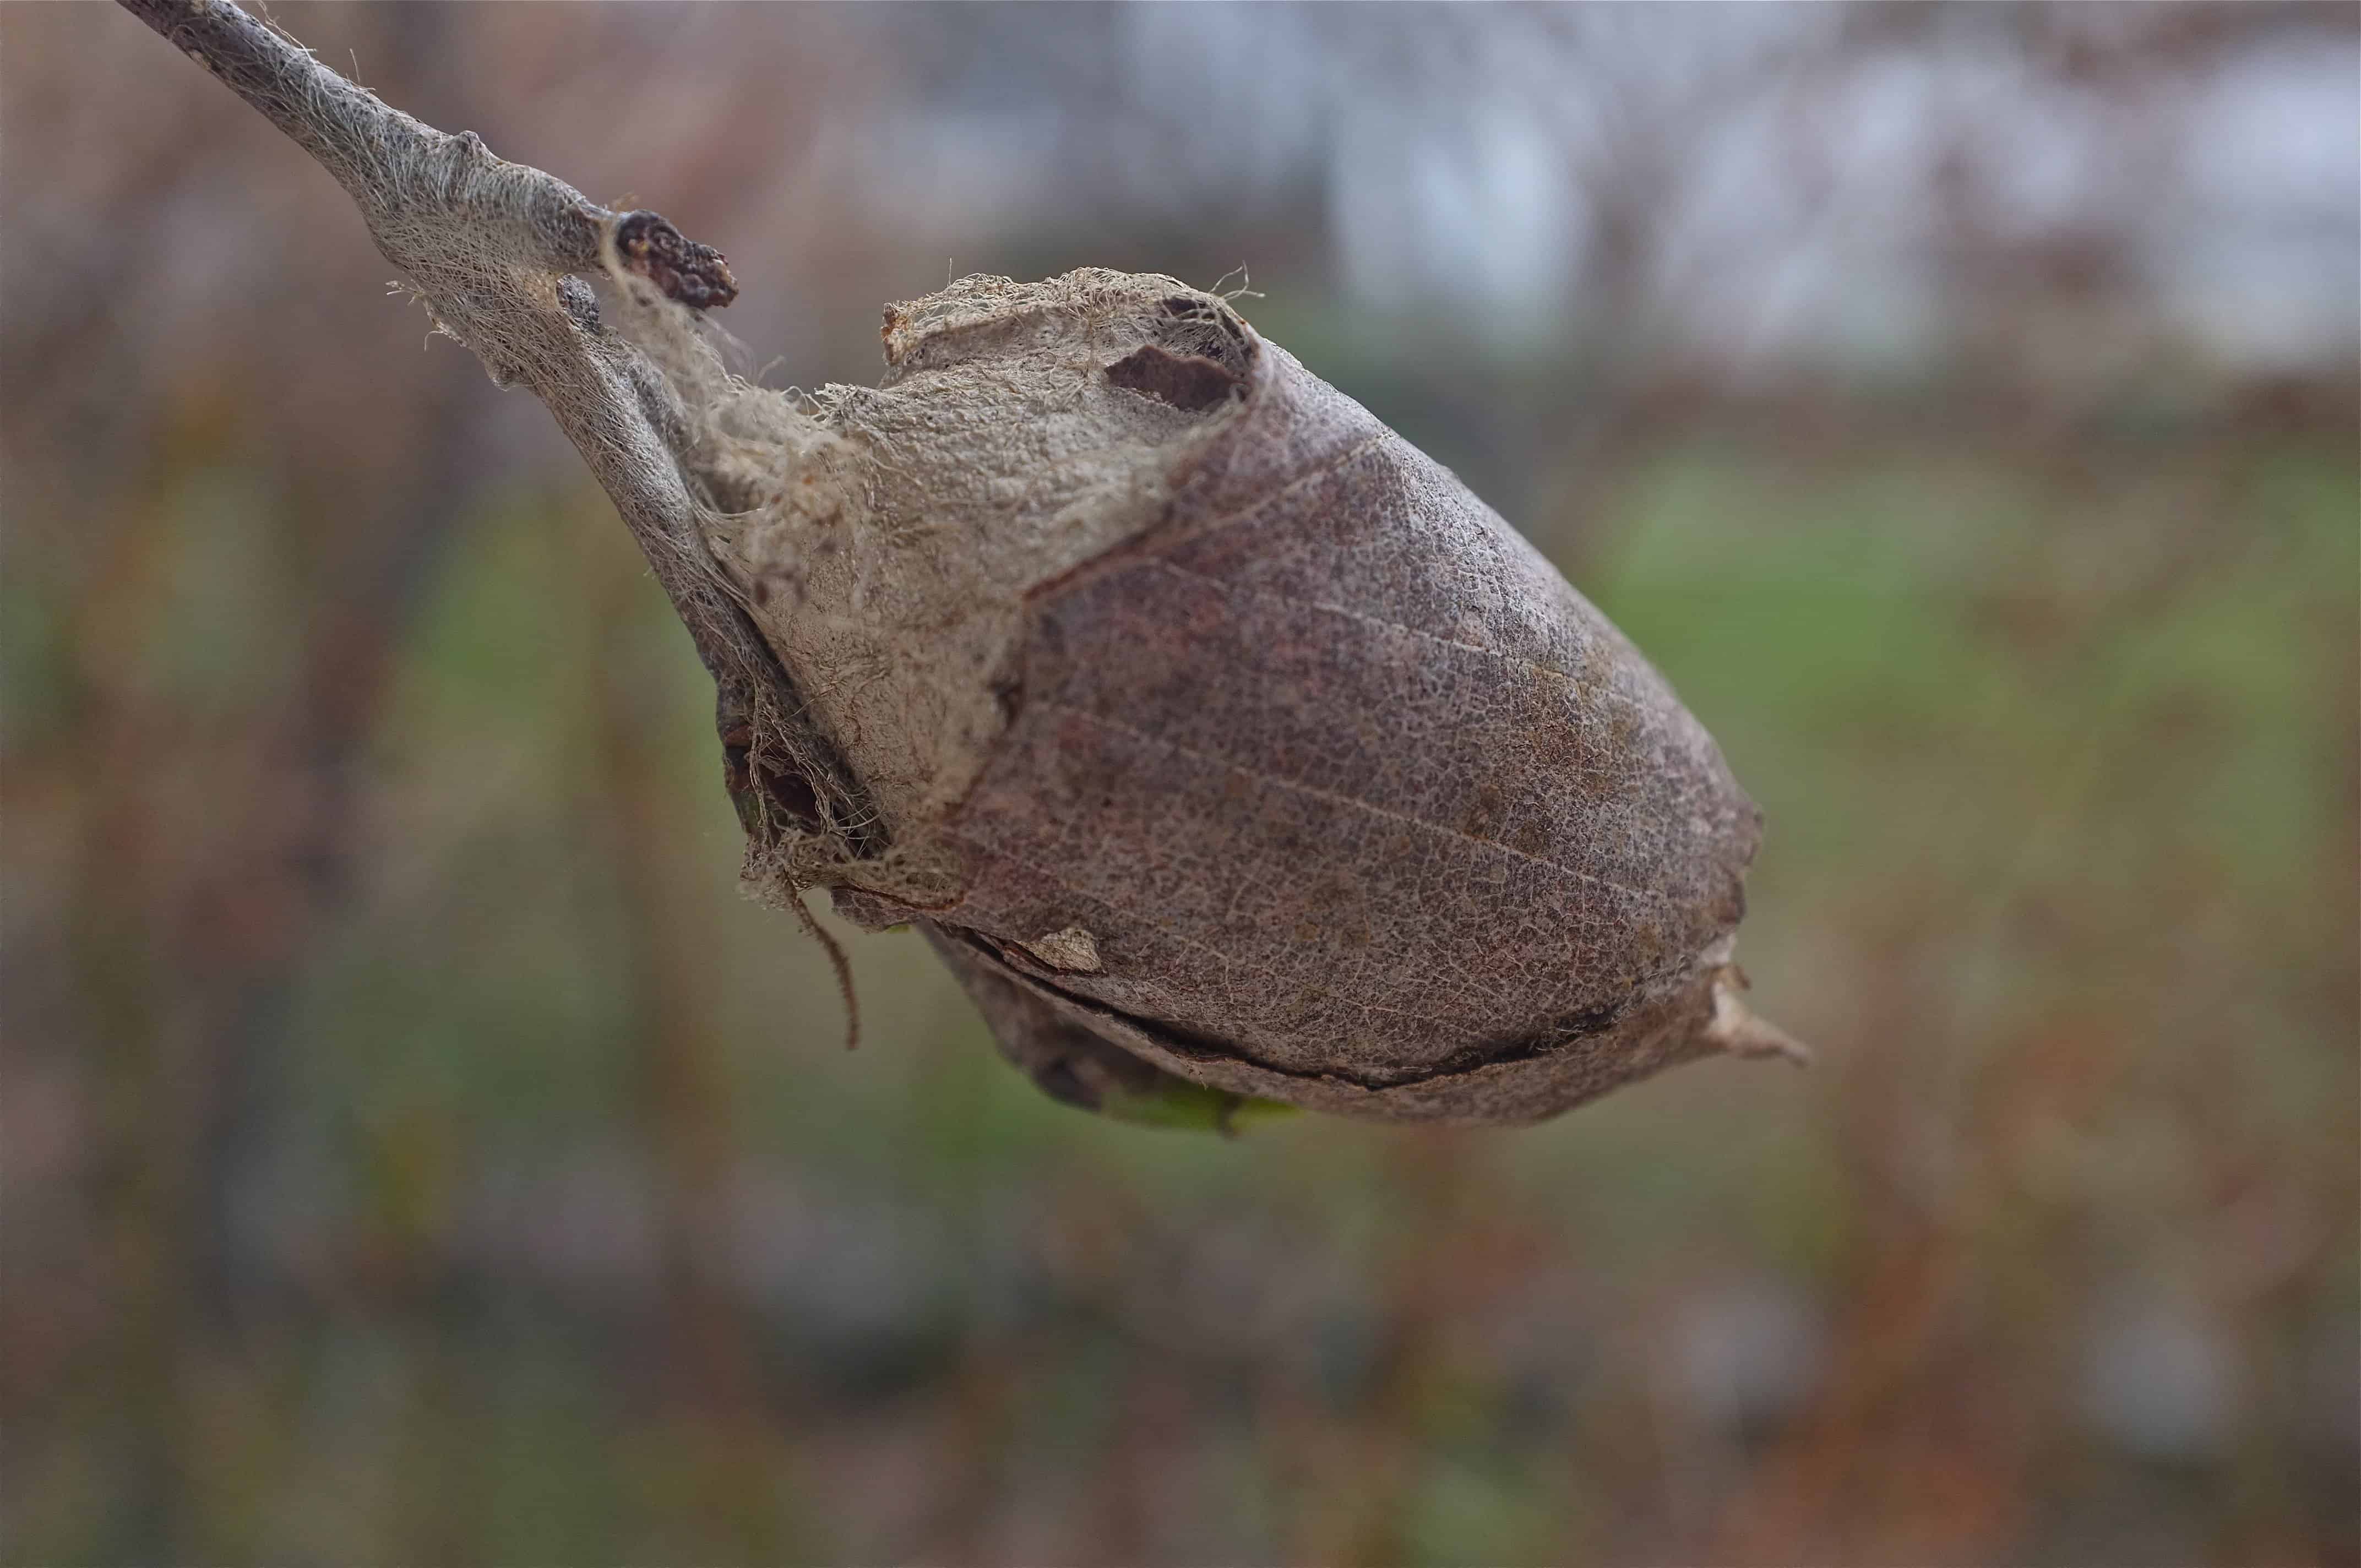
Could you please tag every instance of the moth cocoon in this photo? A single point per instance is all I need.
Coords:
(1213, 731)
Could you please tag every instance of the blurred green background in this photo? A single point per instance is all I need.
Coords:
(416, 1150)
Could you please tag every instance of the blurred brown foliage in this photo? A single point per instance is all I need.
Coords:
(414, 1148)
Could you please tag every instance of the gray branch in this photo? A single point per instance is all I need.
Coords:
(491, 248)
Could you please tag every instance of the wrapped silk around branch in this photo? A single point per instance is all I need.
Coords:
(1213, 723)
(1224, 745)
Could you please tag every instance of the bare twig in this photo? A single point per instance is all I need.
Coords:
(490, 246)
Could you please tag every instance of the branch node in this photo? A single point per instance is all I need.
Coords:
(686, 272)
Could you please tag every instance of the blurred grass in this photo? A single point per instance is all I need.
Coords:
(2058, 772)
